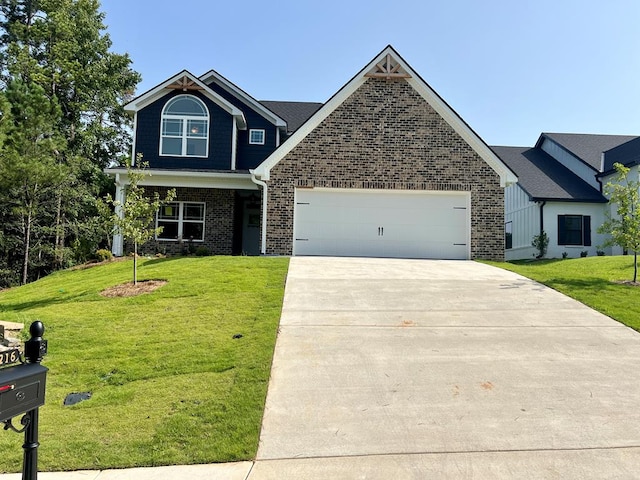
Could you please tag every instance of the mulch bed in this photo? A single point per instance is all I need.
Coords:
(131, 290)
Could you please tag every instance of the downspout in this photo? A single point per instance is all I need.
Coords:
(263, 233)
(234, 145)
(542, 204)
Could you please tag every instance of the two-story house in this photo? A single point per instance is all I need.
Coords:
(202, 136)
(384, 168)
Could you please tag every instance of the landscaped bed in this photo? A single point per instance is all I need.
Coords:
(177, 375)
(602, 283)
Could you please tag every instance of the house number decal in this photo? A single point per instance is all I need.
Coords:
(380, 231)
(9, 356)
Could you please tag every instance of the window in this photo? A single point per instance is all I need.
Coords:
(181, 220)
(574, 230)
(508, 235)
(256, 137)
(185, 127)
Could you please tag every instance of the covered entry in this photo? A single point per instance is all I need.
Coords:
(381, 223)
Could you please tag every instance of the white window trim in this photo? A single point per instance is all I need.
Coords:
(180, 221)
(185, 123)
(264, 134)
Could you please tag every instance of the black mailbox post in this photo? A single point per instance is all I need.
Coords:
(22, 390)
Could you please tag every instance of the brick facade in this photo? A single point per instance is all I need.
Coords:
(386, 136)
(218, 224)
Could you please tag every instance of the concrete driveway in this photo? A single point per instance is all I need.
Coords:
(420, 369)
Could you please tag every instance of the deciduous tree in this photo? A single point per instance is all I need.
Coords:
(134, 218)
(623, 227)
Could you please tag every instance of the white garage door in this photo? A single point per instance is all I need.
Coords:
(381, 223)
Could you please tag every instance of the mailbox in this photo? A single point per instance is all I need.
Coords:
(21, 389)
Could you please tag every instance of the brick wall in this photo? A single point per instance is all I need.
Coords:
(219, 216)
(386, 136)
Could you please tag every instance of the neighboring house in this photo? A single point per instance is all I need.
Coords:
(560, 191)
(384, 168)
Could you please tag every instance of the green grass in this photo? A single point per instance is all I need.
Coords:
(170, 384)
(594, 281)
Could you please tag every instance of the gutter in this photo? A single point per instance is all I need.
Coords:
(263, 232)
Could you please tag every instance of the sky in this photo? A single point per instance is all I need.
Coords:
(511, 69)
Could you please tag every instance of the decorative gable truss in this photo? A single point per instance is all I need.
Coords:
(389, 69)
(185, 84)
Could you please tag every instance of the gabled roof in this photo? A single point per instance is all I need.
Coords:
(294, 113)
(544, 178)
(381, 66)
(627, 154)
(190, 83)
(586, 147)
(214, 77)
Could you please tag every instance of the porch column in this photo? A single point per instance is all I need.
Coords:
(118, 242)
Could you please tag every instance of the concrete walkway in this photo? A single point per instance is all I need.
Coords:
(414, 369)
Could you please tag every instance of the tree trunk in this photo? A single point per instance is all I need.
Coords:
(57, 245)
(135, 262)
(27, 241)
(635, 266)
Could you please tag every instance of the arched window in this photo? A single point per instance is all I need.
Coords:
(185, 127)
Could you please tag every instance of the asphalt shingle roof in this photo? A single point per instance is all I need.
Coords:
(588, 147)
(544, 178)
(294, 113)
(627, 154)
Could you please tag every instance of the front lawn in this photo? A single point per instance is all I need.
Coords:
(594, 281)
(170, 384)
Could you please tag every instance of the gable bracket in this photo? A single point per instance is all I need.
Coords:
(387, 70)
(184, 84)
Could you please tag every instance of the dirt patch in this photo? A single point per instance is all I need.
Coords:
(627, 282)
(131, 290)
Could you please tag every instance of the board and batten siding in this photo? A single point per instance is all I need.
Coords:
(579, 168)
(524, 216)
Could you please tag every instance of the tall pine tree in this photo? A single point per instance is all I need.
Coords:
(59, 50)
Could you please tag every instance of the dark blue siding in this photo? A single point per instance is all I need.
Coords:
(148, 129)
(250, 156)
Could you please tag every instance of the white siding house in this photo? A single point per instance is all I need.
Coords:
(559, 191)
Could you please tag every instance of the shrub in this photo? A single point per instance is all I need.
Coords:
(565, 254)
(104, 255)
(584, 253)
(541, 242)
(202, 252)
(600, 253)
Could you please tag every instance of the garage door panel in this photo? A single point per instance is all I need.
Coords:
(381, 223)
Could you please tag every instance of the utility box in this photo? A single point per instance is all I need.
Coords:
(21, 389)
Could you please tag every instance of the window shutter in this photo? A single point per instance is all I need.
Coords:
(586, 231)
(562, 240)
